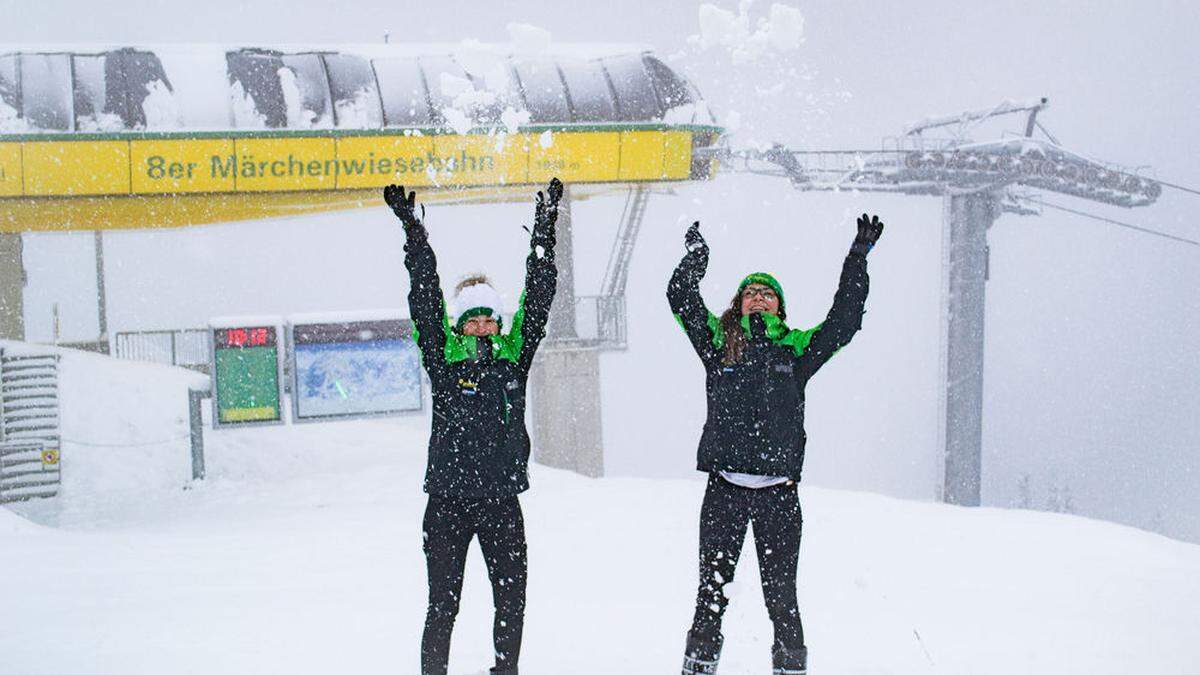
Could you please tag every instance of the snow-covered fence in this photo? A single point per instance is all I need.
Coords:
(187, 347)
(29, 426)
(599, 323)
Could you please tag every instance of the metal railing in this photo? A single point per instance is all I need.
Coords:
(187, 347)
(600, 322)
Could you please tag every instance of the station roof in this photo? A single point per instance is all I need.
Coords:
(108, 89)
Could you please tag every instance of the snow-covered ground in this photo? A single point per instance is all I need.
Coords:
(301, 554)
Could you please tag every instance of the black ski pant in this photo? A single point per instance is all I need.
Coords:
(449, 526)
(775, 512)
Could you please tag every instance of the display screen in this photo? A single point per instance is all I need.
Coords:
(246, 375)
(355, 369)
(246, 337)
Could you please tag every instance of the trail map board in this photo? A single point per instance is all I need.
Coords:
(354, 369)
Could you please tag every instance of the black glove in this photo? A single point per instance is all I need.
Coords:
(404, 205)
(546, 215)
(695, 261)
(869, 230)
(693, 240)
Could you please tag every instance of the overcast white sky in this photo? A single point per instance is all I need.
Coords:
(1092, 360)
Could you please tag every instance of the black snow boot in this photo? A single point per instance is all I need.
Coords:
(505, 671)
(793, 661)
(701, 655)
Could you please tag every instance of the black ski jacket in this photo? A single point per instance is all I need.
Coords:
(755, 421)
(478, 447)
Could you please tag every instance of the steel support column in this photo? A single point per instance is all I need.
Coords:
(964, 249)
(561, 324)
(101, 293)
(565, 381)
(567, 427)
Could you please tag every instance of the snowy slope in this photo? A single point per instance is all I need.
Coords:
(301, 554)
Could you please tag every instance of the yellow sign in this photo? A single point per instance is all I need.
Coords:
(376, 161)
(75, 168)
(50, 457)
(10, 170)
(63, 183)
(591, 157)
(181, 166)
(279, 164)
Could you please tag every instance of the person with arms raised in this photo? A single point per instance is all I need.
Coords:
(752, 446)
(478, 445)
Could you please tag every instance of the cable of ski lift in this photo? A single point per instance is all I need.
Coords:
(1093, 216)
(1178, 187)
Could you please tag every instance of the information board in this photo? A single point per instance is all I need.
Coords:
(245, 374)
(356, 368)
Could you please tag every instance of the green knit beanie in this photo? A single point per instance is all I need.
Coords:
(766, 280)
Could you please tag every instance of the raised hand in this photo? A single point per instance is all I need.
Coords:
(869, 231)
(693, 240)
(695, 261)
(555, 189)
(404, 205)
(546, 214)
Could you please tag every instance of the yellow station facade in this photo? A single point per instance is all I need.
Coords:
(82, 181)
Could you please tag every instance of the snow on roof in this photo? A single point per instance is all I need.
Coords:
(368, 50)
(1005, 107)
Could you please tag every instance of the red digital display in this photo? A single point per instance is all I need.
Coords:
(246, 337)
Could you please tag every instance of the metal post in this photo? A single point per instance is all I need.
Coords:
(561, 323)
(101, 296)
(197, 431)
(565, 380)
(967, 220)
(12, 287)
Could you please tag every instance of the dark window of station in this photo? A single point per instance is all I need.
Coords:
(46, 99)
(257, 94)
(405, 101)
(111, 90)
(446, 80)
(305, 92)
(636, 101)
(588, 87)
(542, 85)
(91, 94)
(356, 102)
(132, 77)
(10, 93)
(672, 89)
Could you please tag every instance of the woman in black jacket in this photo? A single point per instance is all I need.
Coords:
(478, 447)
(752, 446)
